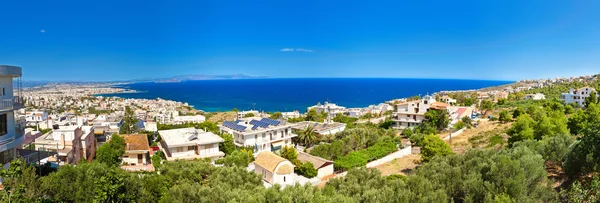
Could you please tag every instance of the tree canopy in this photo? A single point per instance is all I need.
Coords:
(111, 152)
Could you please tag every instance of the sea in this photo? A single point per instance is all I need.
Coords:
(272, 95)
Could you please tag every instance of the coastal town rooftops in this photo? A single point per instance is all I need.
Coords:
(255, 124)
(136, 142)
(269, 161)
(188, 137)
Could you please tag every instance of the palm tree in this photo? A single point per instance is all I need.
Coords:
(307, 136)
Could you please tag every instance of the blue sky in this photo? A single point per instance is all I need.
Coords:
(114, 40)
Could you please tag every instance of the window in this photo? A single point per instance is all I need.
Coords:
(3, 124)
(3, 91)
(284, 179)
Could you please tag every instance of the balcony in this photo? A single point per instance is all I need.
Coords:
(9, 141)
(406, 119)
(11, 104)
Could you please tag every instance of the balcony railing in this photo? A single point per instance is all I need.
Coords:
(11, 104)
(405, 119)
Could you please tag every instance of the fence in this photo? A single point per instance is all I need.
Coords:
(400, 153)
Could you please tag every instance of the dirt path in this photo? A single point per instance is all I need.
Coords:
(401, 165)
(460, 143)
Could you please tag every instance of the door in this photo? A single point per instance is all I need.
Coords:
(140, 158)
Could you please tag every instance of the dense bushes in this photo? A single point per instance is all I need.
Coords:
(355, 147)
(434, 146)
(362, 157)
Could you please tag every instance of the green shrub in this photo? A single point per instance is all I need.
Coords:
(306, 169)
(496, 139)
(352, 160)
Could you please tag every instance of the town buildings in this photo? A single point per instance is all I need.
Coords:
(243, 114)
(11, 131)
(577, 95)
(330, 108)
(263, 134)
(190, 143)
(35, 117)
(448, 100)
(537, 96)
(291, 114)
(189, 119)
(274, 169)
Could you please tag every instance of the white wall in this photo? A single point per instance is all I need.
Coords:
(325, 171)
(390, 157)
(181, 152)
(133, 158)
(6, 82)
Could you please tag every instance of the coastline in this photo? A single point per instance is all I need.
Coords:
(128, 90)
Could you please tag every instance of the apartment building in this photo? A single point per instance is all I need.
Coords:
(263, 134)
(65, 141)
(412, 113)
(577, 95)
(11, 131)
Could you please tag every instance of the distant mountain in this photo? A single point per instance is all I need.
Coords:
(207, 77)
(171, 79)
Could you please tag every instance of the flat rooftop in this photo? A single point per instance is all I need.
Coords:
(181, 137)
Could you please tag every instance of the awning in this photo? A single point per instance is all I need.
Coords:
(278, 143)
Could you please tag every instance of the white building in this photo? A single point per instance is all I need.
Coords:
(448, 100)
(324, 167)
(263, 134)
(274, 169)
(189, 119)
(190, 143)
(538, 96)
(291, 114)
(330, 108)
(36, 116)
(11, 133)
(354, 112)
(150, 126)
(578, 95)
(243, 114)
(411, 114)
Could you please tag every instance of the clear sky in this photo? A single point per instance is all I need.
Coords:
(127, 39)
